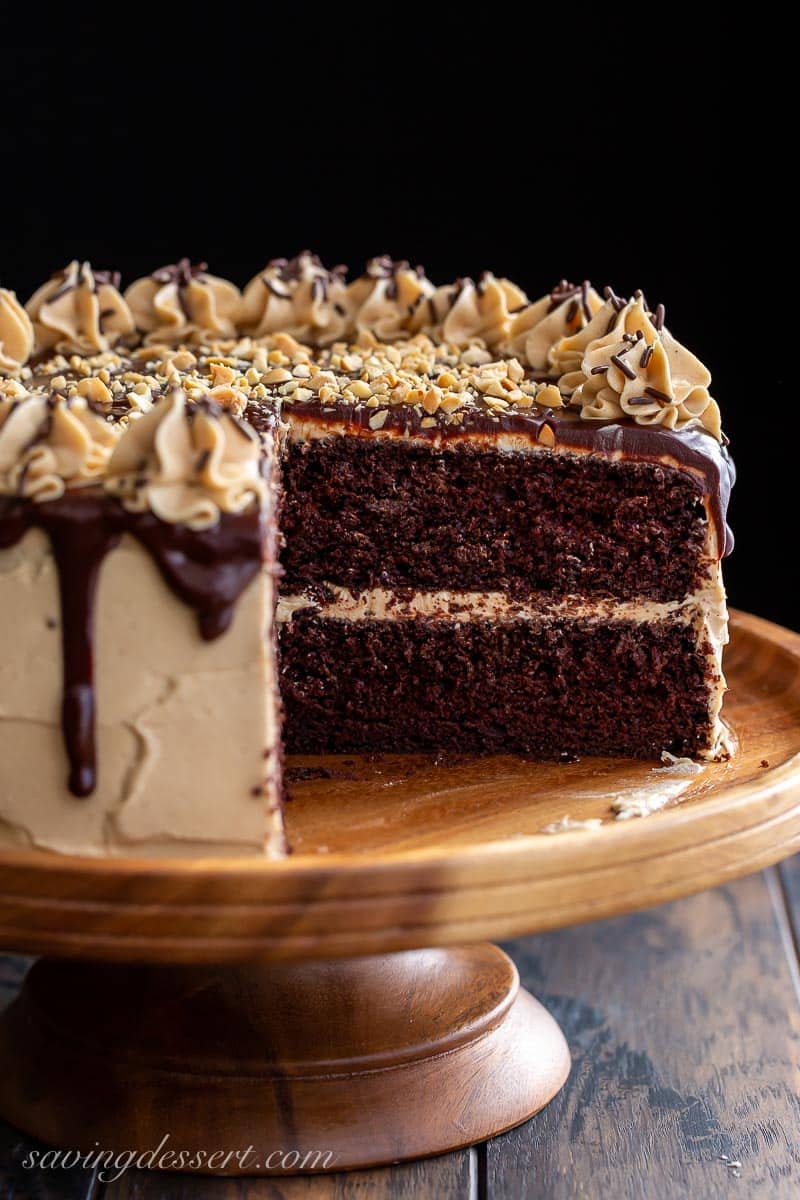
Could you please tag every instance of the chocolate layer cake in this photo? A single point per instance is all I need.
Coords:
(501, 525)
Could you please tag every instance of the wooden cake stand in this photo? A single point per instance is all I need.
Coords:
(300, 1006)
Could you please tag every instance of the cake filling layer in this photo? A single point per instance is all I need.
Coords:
(384, 604)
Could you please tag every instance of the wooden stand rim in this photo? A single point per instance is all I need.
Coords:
(335, 904)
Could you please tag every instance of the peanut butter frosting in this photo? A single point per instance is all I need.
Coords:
(481, 311)
(187, 463)
(79, 311)
(183, 303)
(49, 443)
(297, 296)
(16, 332)
(389, 299)
(625, 363)
(536, 327)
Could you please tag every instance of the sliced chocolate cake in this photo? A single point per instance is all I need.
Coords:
(501, 524)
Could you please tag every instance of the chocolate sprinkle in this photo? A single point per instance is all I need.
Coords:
(586, 307)
(182, 272)
(623, 366)
(658, 395)
(615, 300)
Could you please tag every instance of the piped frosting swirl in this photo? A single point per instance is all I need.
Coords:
(389, 299)
(479, 310)
(183, 303)
(79, 311)
(16, 332)
(625, 363)
(298, 296)
(536, 327)
(187, 463)
(48, 444)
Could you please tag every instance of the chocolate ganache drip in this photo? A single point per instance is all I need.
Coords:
(207, 570)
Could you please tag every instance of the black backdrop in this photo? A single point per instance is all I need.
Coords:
(607, 166)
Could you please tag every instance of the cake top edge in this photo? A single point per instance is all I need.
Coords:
(601, 356)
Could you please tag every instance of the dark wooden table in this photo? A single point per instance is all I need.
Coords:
(683, 1023)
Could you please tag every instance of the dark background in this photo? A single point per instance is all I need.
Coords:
(600, 158)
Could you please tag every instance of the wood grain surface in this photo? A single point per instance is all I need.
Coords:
(398, 852)
(683, 1025)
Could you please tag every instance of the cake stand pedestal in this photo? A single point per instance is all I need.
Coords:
(347, 1062)
(258, 1007)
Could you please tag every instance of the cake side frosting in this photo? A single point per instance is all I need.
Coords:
(180, 723)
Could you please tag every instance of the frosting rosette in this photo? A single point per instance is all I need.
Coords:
(187, 463)
(298, 296)
(48, 444)
(16, 332)
(470, 311)
(389, 299)
(79, 311)
(183, 303)
(625, 363)
(536, 327)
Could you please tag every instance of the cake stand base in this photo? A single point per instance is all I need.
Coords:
(309, 1066)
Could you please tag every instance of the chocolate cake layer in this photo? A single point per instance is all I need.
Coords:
(562, 688)
(363, 512)
(690, 449)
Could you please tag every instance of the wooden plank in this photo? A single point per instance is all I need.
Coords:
(12, 972)
(452, 1177)
(789, 876)
(684, 1029)
(18, 1181)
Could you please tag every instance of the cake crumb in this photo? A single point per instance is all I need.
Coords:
(568, 824)
(764, 762)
